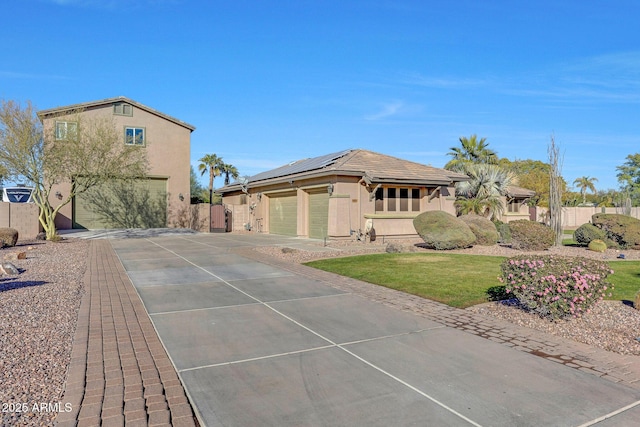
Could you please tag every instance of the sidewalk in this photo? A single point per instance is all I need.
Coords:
(119, 373)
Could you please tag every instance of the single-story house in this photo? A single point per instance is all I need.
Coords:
(516, 206)
(153, 201)
(340, 195)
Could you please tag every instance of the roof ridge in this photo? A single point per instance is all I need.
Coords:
(105, 101)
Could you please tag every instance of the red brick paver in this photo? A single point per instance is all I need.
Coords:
(119, 372)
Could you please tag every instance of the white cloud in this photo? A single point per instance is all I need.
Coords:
(613, 77)
(388, 110)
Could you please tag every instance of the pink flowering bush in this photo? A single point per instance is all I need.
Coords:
(556, 287)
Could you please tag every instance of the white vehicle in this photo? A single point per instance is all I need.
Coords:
(17, 194)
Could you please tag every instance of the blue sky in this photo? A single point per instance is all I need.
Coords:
(268, 82)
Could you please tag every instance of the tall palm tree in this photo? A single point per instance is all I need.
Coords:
(229, 172)
(482, 193)
(210, 163)
(471, 151)
(585, 183)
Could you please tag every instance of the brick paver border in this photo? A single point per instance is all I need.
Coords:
(605, 364)
(119, 373)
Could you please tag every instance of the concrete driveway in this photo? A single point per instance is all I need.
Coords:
(257, 345)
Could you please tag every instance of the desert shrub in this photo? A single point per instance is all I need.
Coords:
(530, 235)
(556, 287)
(597, 245)
(441, 230)
(8, 237)
(481, 227)
(588, 232)
(622, 229)
(504, 232)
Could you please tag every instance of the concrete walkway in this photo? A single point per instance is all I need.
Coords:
(257, 341)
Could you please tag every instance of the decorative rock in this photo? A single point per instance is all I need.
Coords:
(41, 236)
(8, 268)
(16, 255)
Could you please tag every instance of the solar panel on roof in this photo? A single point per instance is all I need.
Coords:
(304, 165)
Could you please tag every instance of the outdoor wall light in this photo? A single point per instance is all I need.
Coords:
(59, 195)
(181, 197)
(330, 189)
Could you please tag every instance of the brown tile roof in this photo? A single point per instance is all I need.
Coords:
(378, 168)
(513, 191)
(383, 168)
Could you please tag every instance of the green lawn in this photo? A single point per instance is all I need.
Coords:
(626, 278)
(454, 279)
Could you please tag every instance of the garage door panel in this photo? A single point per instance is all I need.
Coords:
(318, 214)
(283, 214)
(122, 204)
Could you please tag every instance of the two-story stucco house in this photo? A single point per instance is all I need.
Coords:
(163, 194)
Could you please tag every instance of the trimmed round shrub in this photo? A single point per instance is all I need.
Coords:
(485, 231)
(530, 235)
(556, 287)
(441, 230)
(8, 237)
(597, 245)
(622, 229)
(588, 232)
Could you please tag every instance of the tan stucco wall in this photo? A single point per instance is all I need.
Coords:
(523, 212)
(350, 205)
(22, 217)
(574, 217)
(168, 147)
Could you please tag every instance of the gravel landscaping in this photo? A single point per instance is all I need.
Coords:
(38, 316)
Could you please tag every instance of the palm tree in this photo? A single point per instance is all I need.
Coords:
(585, 183)
(211, 163)
(482, 193)
(229, 172)
(471, 151)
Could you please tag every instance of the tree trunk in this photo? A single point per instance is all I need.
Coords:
(555, 191)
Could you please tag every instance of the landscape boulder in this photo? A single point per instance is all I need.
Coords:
(15, 255)
(8, 269)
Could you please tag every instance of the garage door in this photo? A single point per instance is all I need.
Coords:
(283, 214)
(122, 204)
(318, 214)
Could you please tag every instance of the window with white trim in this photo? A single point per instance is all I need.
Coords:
(65, 130)
(134, 136)
(397, 199)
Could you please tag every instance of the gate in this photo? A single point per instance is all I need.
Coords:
(220, 219)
